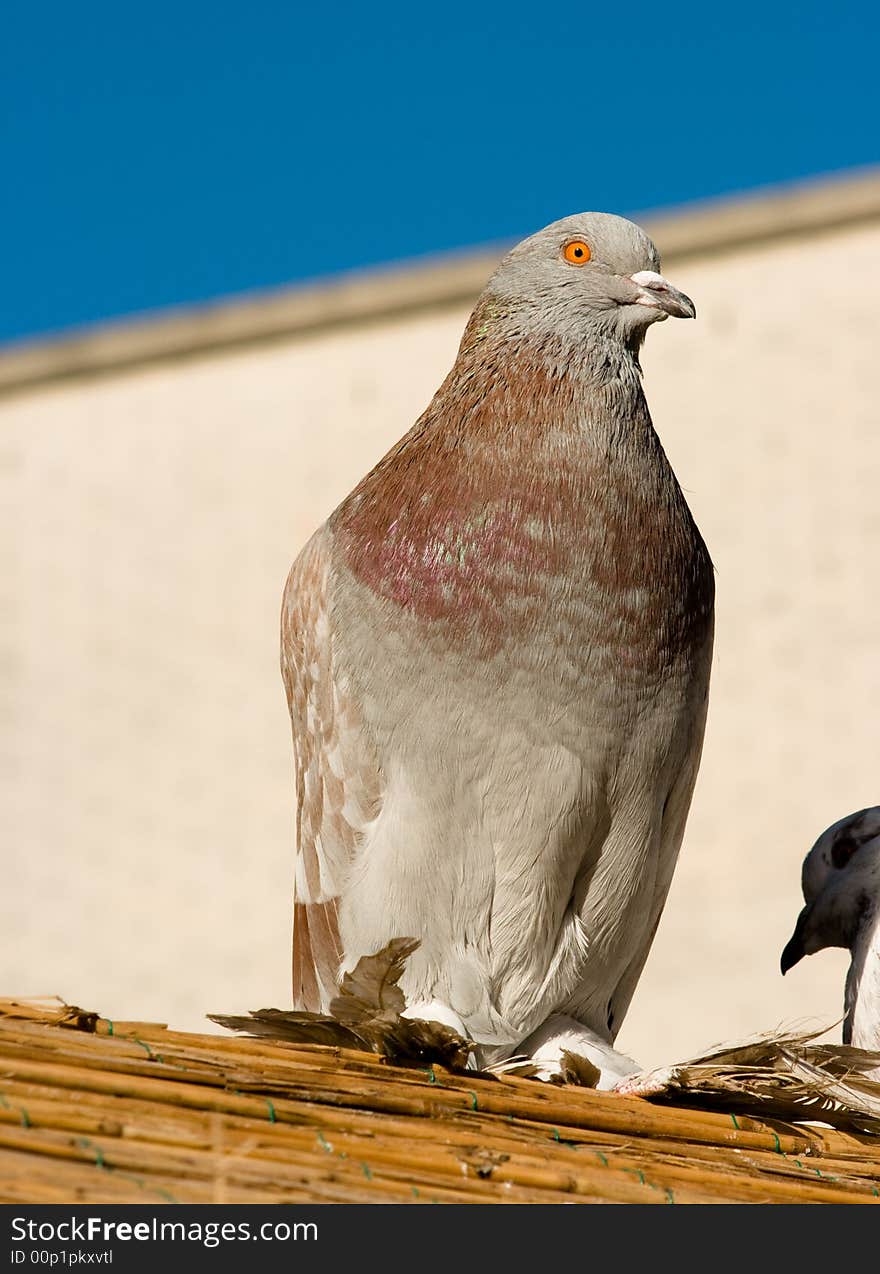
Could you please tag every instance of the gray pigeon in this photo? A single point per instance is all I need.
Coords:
(496, 653)
(841, 886)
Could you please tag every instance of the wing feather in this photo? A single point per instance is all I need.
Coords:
(338, 785)
(672, 827)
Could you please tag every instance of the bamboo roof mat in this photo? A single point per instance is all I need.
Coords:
(93, 1111)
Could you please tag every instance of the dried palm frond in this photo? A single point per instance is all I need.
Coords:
(775, 1076)
(366, 1014)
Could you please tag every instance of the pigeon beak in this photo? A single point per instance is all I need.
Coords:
(658, 293)
(795, 948)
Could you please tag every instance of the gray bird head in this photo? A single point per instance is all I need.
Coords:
(587, 272)
(841, 886)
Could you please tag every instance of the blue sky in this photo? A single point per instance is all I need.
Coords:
(161, 154)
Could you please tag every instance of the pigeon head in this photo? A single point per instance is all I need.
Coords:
(841, 886)
(587, 272)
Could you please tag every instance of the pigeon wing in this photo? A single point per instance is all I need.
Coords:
(338, 783)
(672, 827)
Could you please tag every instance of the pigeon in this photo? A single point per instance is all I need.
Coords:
(841, 886)
(496, 653)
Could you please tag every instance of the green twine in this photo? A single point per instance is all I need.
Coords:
(670, 1197)
(561, 1140)
(22, 1113)
(735, 1124)
(324, 1143)
(85, 1144)
(273, 1119)
(473, 1099)
(367, 1173)
(109, 1026)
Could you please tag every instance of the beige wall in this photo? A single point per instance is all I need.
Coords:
(146, 786)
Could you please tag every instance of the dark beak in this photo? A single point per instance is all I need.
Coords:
(794, 948)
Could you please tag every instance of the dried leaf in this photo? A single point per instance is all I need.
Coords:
(578, 1070)
(784, 1077)
(295, 1028)
(371, 987)
(367, 1015)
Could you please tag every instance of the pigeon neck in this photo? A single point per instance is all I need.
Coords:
(588, 385)
(862, 1024)
(534, 463)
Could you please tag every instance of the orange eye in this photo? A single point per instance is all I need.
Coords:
(577, 252)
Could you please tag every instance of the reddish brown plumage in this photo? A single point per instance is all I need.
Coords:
(315, 941)
(505, 485)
